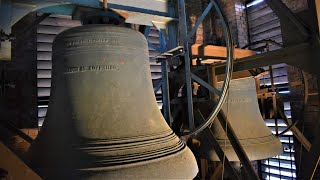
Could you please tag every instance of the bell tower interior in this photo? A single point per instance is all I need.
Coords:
(159, 89)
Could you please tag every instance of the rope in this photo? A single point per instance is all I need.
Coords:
(226, 135)
(306, 90)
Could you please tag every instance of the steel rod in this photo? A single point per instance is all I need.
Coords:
(206, 85)
(165, 79)
(187, 65)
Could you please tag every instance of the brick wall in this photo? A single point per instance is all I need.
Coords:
(241, 22)
(211, 30)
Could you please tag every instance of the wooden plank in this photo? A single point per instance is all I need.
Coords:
(154, 33)
(60, 22)
(263, 20)
(43, 82)
(267, 35)
(156, 75)
(43, 92)
(262, 12)
(257, 7)
(42, 112)
(204, 168)
(217, 172)
(40, 121)
(41, 29)
(154, 40)
(15, 167)
(153, 53)
(44, 65)
(277, 39)
(44, 74)
(218, 51)
(208, 61)
(45, 38)
(155, 68)
(264, 27)
(44, 47)
(153, 61)
(44, 56)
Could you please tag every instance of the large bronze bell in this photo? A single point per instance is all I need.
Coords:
(242, 111)
(103, 120)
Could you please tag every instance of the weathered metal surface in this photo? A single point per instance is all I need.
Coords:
(242, 111)
(103, 121)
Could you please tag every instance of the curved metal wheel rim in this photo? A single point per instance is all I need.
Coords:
(228, 74)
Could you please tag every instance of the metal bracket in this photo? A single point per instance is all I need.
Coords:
(178, 51)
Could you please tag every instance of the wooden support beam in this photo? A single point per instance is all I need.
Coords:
(199, 50)
(291, 55)
(204, 168)
(14, 166)
(105, 4)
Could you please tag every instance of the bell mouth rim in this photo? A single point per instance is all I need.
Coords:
(250, 141)
(253, 151)
(129, 165)
(182, 163)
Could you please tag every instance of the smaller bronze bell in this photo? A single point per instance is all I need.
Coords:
(242, 111)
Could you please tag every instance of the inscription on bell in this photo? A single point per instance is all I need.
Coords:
(70, 70)
(240, 100)
(113, 42)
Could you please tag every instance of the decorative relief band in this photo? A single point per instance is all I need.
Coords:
(70, 70)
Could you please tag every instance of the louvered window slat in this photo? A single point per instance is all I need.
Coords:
(264, 24)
